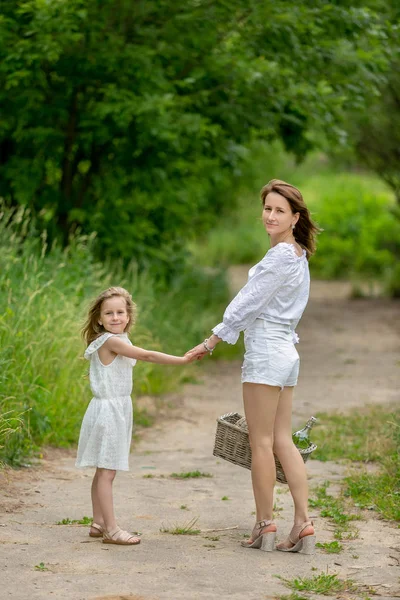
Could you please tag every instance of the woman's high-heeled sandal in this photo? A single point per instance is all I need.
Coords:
(304, 544)
(264, 540)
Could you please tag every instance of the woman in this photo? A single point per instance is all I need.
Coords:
(268, 309)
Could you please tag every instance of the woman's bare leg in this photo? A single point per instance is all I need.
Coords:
(290, 459)
(260, 405)
(102, 499)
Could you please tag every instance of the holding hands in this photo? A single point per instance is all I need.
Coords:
(206, 347)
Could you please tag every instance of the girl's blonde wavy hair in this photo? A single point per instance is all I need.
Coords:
(306, 230)
(92, 329)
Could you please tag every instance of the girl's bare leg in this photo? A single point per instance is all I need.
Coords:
(102, 499)
(97, 514)
(290, 459)
(260, 406)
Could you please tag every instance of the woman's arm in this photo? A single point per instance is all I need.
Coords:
(118, 346)
(270, 274)
(251, 300)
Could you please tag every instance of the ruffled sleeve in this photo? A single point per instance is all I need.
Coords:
(269, 275)
(96, 344)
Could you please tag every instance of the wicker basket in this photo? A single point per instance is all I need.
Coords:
(232, 444)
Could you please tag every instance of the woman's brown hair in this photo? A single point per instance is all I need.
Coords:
(305, 231)
(92, 329)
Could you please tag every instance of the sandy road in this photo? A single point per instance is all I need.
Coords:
(350, 357)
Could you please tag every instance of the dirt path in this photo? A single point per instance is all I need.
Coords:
(350, 357)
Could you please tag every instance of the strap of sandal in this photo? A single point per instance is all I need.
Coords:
(121, 535)
(297, 530)
(262, 524)
(99, 528)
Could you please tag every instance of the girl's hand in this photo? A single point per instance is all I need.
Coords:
(188, 358)
(197, 352)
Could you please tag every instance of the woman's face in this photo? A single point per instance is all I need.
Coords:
(277, 214)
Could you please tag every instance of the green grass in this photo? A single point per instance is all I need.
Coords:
(361, 435)
(185, 529)
(293, 596)
(190, 475)
(330, 547)
(368, 436)
(324, 584)
(378, 492)
(335, 509)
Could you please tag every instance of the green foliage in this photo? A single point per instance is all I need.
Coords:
(361, 228)
(132, 119)
(375, 132)
(68, 521)
(44, 294)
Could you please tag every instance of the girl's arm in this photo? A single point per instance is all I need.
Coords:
(118, 346)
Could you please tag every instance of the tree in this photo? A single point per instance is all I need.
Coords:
(130, 119)
(375, 132)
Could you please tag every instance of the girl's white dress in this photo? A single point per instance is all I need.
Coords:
(106, 430)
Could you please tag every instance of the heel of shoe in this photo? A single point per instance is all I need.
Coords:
(268, 541)
(307, 544)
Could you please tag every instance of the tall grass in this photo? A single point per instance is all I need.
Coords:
(361, 237)
(44, 295)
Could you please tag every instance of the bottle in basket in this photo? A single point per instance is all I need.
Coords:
(301, 438)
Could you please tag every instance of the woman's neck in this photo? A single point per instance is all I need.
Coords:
(287, 237)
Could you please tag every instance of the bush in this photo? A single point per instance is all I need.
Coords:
(357, 212)
(44, 294)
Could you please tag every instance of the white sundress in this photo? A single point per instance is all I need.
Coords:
(106, 430)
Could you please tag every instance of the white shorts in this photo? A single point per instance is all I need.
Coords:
(271, 357)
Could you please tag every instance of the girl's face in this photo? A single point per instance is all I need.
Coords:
(277, 214)
(113, 315)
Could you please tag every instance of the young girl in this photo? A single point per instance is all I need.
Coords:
(106, 431)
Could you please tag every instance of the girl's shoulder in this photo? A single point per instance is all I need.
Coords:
(99, 341)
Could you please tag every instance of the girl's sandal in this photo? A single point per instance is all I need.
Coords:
(264, 540)
(304, 544)
(120, 537)
(96, 530)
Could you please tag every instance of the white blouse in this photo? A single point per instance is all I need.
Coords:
(277, 290)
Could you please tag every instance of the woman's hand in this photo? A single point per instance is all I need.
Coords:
(197, 352)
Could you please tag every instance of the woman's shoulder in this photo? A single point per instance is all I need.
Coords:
(99, 341)
(285, 252)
